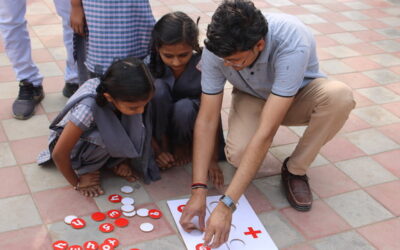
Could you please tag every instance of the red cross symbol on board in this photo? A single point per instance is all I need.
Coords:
(252, 232)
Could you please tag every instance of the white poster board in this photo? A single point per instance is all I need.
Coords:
(247, 232)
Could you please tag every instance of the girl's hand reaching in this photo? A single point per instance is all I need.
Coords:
(124, 170)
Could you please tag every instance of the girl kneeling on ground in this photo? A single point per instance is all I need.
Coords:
(175, 55)
(102, 126)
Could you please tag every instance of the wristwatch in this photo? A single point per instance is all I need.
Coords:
(228, 202)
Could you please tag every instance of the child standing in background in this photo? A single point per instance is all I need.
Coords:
(63, 9)
(115, 29)
(17, 45)
(175, 54)
(102, 126)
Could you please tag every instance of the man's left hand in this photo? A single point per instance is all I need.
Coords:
(218, 226)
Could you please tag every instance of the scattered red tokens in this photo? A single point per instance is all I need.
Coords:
(113, 214)
(106, 227)
(98, 216)
(112, 241)
(155, 214)
(106, 246)
(181, 207)
(121, 222)
(78, 223)
(115, 198)
(91, 245)
(75, 247)
(60, 245)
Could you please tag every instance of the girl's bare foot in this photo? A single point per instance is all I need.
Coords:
(125, 171)
(89, 184)
(215, 175)
(165, 160)
(182, 155)
(92, 191)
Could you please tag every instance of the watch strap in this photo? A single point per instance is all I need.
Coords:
(228, 202)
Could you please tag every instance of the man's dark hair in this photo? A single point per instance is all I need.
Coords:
(237, 25)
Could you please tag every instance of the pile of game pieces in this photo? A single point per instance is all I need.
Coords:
(127, 209)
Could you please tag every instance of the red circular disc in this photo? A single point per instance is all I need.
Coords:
(106, 227)
(121, 222)
(113, 214)
(181, 207)
(112, 241)
(75, 247)
(106, 246)
(115, 198)
(60, 245)
(98, 216)
(201, 247)
(78, 223)
(91, 245)
(155, 214)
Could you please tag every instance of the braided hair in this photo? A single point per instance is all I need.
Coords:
(125, 80)
(172, 28)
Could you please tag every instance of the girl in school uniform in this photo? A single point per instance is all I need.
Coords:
(174, 58)
(104, 126)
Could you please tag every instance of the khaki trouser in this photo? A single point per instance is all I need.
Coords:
(324, 105)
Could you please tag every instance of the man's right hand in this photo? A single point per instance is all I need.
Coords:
(196, 206)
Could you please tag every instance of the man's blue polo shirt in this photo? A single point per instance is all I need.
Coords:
(287, 63)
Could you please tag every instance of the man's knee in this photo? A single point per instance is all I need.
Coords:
(234, 154)
(340, 97)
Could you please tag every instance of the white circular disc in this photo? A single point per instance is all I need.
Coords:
(237, 244)
(143, 212)
(131, 214)
(127, 189)
(127, 208)
(146, 227)
(128, 201)
(69, 218)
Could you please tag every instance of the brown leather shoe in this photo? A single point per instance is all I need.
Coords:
(297, 189)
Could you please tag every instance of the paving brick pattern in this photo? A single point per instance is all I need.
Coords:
(355, 178)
